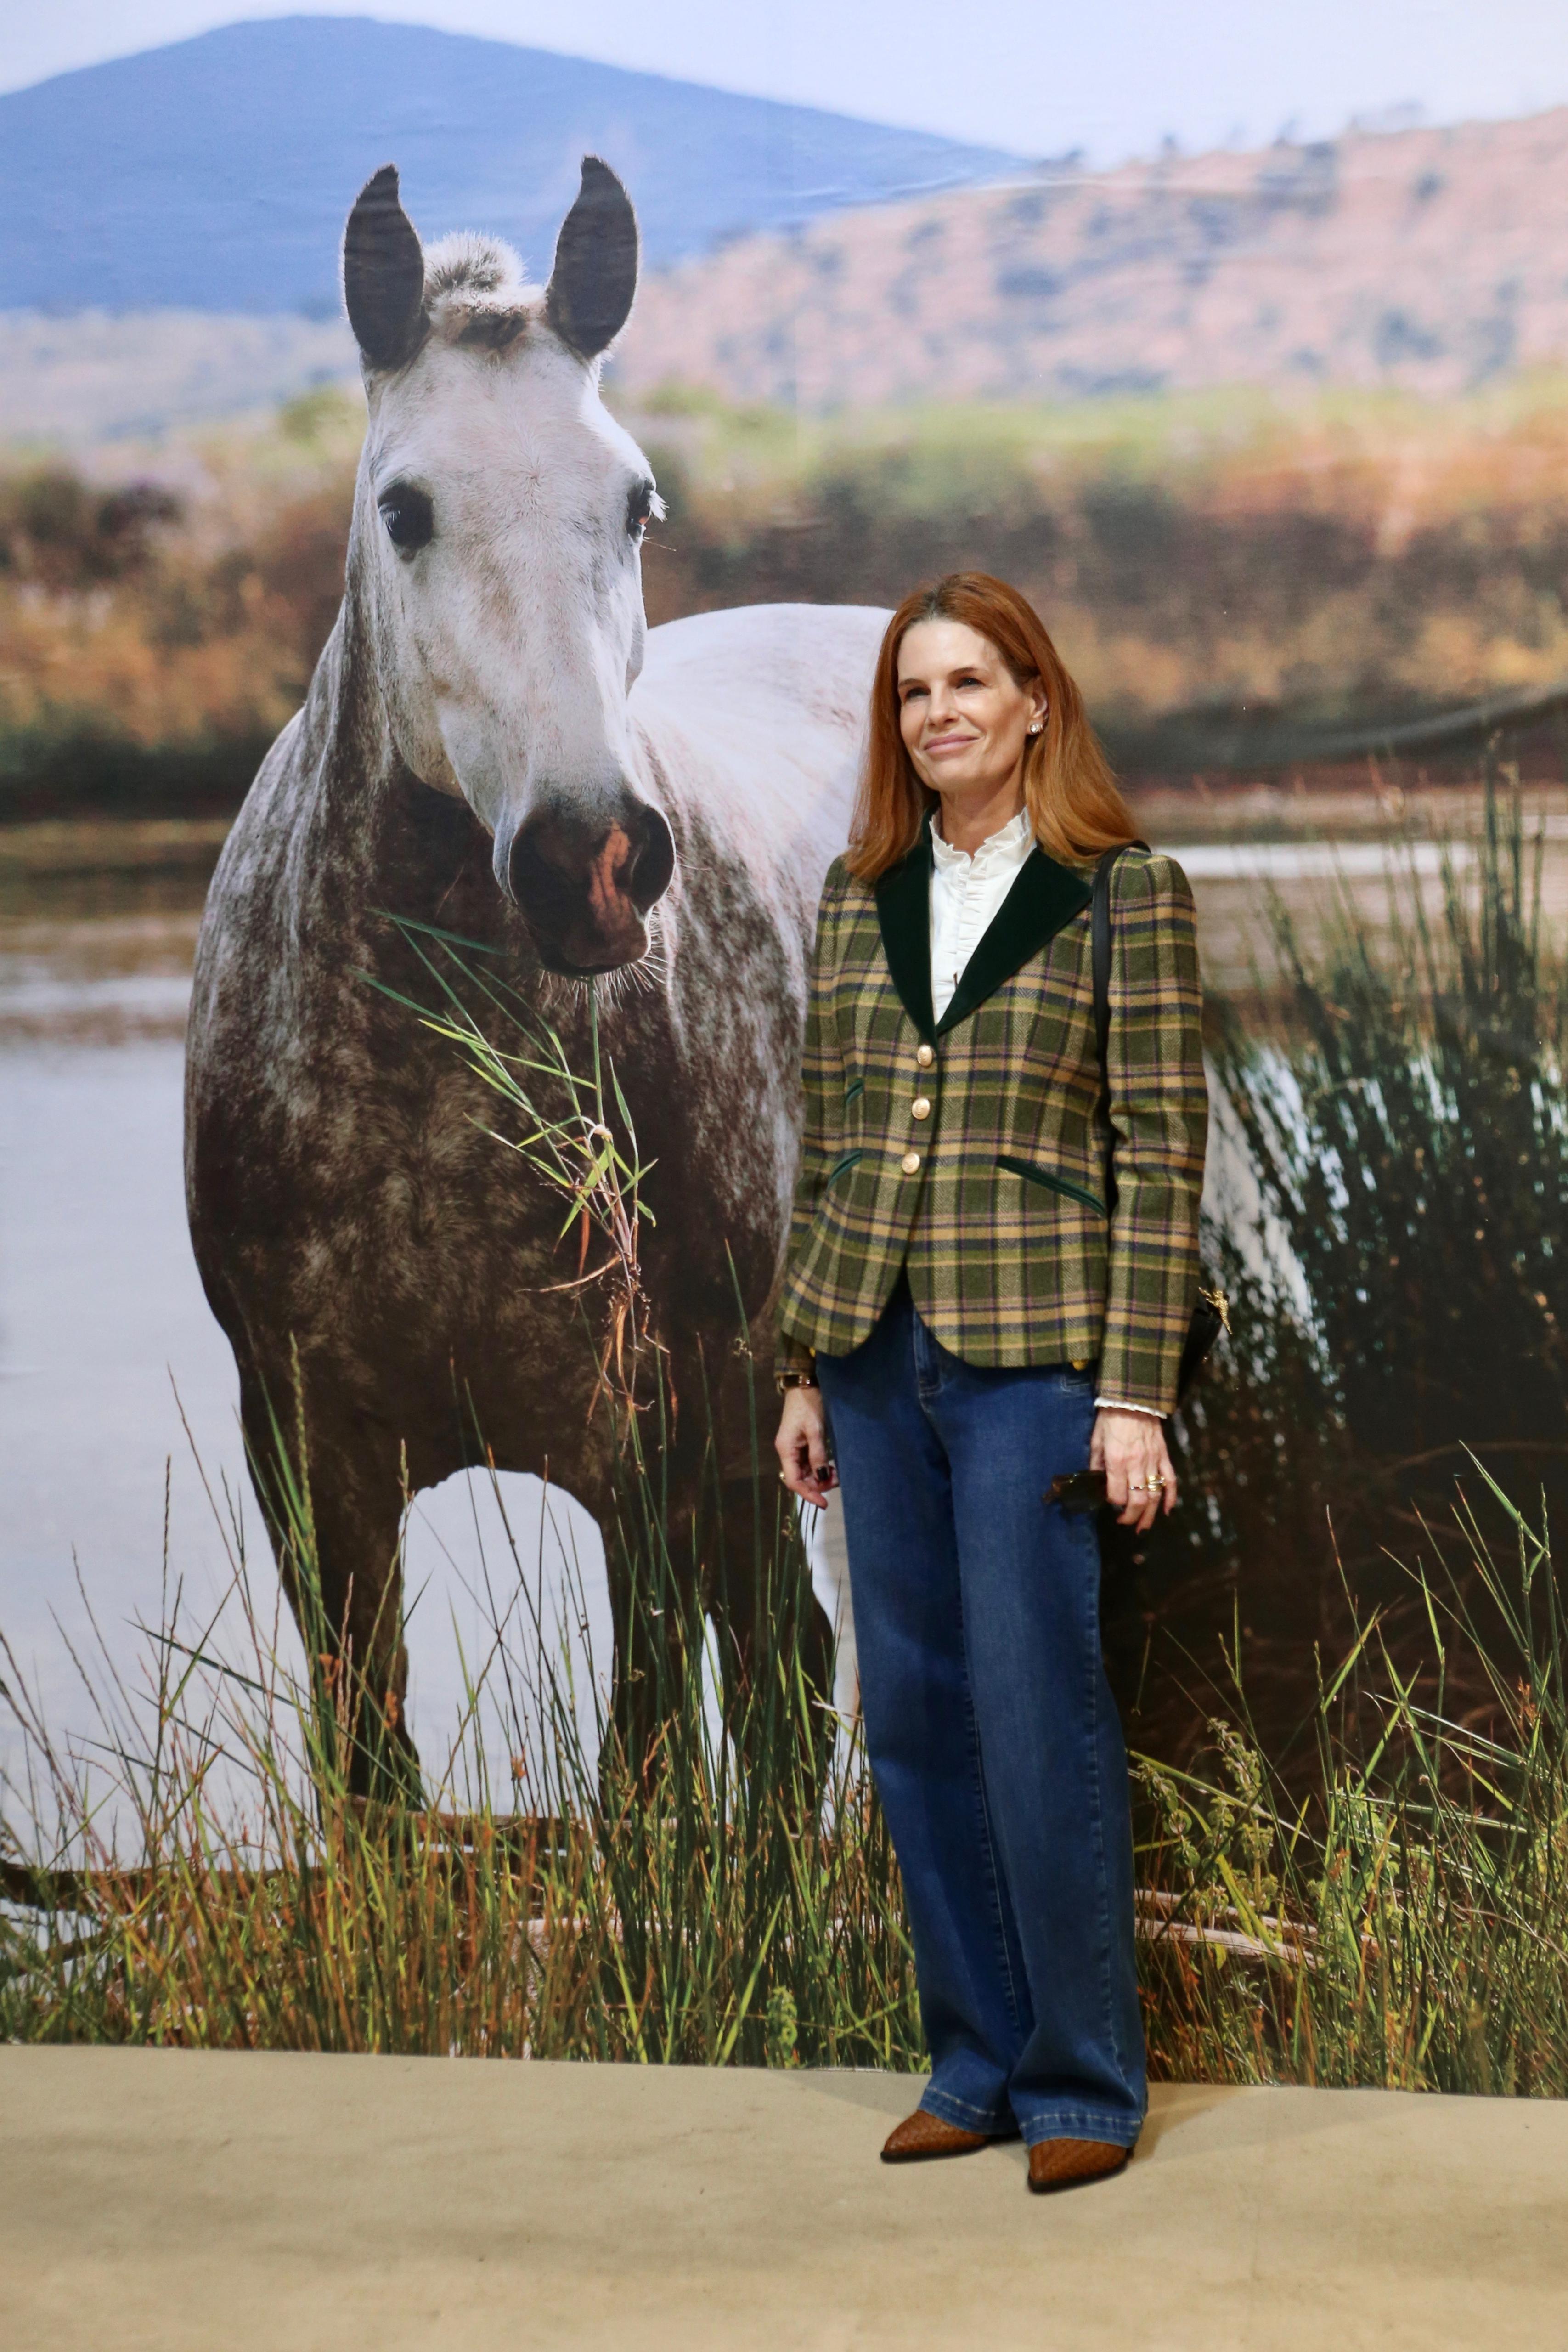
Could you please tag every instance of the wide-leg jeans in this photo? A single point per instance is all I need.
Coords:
(991, 1729)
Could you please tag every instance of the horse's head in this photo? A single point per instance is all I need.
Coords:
(495, 554)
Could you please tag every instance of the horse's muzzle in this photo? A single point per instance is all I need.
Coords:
(585, 887)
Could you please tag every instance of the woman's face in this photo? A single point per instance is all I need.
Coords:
(963, 716)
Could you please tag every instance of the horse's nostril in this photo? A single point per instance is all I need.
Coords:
(545, 884)
(584, 888)
(653, 861)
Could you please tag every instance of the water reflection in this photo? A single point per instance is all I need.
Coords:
(1316, 861)
(98, 928)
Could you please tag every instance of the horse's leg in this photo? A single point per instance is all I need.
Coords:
(732, 1556)
(775, 1639)
(335, 1522)
(649, 1564)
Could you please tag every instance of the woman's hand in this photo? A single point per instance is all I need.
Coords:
(801, 1445)
(1130, 1447)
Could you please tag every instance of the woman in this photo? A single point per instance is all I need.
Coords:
(960, 1311)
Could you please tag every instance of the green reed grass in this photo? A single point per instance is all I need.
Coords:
(733, 1898)
(1402, 1921)
(1405, 1921)
(1402, 1306)
(1412, 1143)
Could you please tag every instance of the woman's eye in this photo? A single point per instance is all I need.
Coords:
(409, 517)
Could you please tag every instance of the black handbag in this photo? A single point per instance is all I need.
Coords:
(1211, 1311)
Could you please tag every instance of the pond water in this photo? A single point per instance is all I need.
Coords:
(118, 1423)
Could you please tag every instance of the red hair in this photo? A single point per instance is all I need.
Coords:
(1069, 791)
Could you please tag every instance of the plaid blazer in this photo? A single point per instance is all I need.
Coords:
(972, 1151)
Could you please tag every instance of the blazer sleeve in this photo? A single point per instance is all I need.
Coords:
(822, 1128)
(1159, 1120)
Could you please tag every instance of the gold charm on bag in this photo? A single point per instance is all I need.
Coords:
(1220, 1303)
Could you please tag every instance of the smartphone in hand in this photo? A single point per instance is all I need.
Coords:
(1077, 1490)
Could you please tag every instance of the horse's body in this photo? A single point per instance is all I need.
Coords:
(355, 1226)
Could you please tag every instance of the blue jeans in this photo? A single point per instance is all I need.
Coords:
(991, 1729)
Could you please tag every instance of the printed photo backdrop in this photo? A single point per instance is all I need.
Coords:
(1275, 438)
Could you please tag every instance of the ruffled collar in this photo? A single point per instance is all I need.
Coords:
(1008, 846)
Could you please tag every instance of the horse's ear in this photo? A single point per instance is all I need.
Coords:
(384, 274)
(595, 272)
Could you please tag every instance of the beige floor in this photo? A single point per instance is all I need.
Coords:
(185, 2203)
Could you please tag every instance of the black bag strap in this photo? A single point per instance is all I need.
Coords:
(1099, 968)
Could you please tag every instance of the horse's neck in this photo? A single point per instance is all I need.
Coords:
(355, 784)
(345, 737)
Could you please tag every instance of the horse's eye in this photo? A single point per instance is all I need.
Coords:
(409, 517)
(641, 502)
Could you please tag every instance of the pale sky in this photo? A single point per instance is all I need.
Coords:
(1041, 77)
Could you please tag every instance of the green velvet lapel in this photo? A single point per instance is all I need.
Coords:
(903, 912)
(1043, 899)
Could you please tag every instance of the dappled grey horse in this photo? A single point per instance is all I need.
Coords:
(495, 743)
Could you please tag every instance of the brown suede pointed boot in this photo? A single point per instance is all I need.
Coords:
(1056, 2164)
(921, 2136)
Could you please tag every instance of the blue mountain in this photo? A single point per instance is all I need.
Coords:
(215, 173)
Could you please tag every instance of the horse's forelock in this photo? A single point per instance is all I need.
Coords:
(475, 290)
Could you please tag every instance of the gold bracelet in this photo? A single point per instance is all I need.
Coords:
(786, 1379)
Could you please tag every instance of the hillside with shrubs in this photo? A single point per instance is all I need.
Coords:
(1353, 558)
